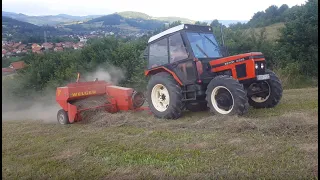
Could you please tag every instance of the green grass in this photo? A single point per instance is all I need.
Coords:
(278, 143)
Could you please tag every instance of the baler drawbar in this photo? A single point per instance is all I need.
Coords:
(111, 98)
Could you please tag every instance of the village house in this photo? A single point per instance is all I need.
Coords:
(22, 47)
(58, 44)
(34, 45)
(68, 44)
(13, 68)
(47, 46)
(58, 49)
(3, 52)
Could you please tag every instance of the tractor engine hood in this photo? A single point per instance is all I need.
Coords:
(235, 59)
(232, 65)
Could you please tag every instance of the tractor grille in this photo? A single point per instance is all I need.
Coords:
(241, 70)
(261, 68)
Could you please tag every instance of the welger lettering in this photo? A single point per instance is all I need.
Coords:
(83, 93)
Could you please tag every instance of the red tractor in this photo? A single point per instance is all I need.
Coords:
(187, 69)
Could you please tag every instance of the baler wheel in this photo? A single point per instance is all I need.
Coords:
(62, 117)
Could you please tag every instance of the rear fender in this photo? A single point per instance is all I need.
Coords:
(162, 69)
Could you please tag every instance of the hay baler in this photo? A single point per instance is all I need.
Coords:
(78, 97)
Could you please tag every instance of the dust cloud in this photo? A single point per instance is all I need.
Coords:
(43, 106)
(111, 74)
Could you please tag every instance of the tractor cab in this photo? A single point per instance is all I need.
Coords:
(177, 49)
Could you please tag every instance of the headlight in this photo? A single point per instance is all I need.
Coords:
(256, 66)
(262, 66)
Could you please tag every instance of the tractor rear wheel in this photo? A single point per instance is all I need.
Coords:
(273, 96)
(164, 96)
(195, 107)
(62, 117)
(226, 96)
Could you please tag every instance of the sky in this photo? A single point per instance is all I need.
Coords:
(195, 10)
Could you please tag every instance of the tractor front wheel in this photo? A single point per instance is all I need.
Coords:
(226, 96)
(62, 117)
(273, 93)
(164, 96)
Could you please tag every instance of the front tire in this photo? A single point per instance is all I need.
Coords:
(164, 96)
(274, 95)
(226, 96)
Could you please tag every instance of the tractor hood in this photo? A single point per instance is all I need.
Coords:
(235, 59)
(234, 66)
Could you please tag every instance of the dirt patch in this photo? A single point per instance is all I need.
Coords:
(68, 153)
(235, 141)
(309, 147)
(200, 145)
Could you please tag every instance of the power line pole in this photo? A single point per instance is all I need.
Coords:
(45, 36)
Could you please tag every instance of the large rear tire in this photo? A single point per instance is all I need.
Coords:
(164, 96)
(226, 96)
(274, 95)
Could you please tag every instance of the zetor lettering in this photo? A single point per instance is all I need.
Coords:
(83, 93)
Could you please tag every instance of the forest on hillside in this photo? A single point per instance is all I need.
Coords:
(294, 55)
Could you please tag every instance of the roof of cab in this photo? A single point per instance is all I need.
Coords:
(168, 31)
(178, 28)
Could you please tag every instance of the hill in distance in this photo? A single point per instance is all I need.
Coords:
(69, 19)
(227, 22)
(49, 19)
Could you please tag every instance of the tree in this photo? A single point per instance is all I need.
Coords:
(201, 23)
(299, 39)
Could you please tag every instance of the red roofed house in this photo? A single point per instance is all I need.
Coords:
(6, 71)
(47, 45)
(3, 52)
(37, 49)
(13, 67)
(68, 44)
(15, 45)
(58, 44)
(58, 49)
(22, 46)
(35, 45)
(17, 65)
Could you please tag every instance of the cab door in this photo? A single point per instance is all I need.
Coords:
(180, 60)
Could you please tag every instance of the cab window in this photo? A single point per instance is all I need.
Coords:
(158, 53)
(177, 49)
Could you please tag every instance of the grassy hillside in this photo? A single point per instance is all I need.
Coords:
(266, 143)
(133, 14)
(16, 30)
(272, 32)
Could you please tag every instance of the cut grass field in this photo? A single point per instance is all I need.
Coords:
(279, 143)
